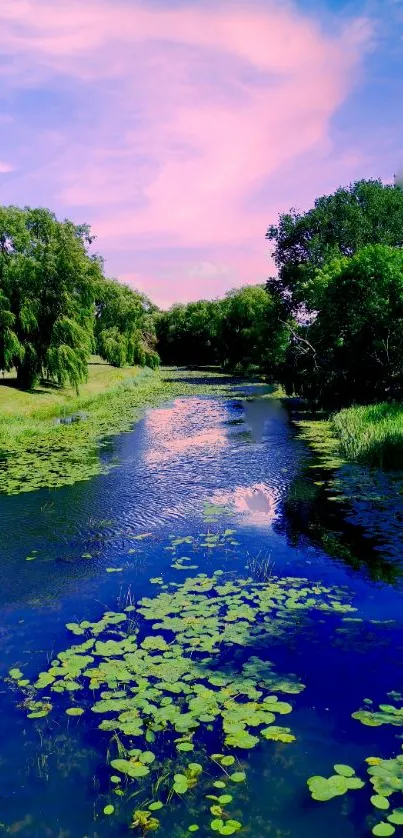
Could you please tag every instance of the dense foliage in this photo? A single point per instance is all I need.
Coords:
(241, 332)
(189, 334)
(341, 282)
(46, 296)
(366, 212)
(124, 326)
(329, 327)
(352, 351)
(54, 302)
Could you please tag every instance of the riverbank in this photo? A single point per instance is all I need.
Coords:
(337, 500)
(370, 435)
(50, 437)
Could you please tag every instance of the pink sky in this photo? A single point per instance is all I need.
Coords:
(178, 132)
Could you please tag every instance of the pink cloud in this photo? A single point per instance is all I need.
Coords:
(5, 167)
(211, 101)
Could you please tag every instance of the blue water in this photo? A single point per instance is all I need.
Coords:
(194, 451)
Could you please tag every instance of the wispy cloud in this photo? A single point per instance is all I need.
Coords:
(178, 123)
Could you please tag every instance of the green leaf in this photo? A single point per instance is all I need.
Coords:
(380, 802)
(383, 830)
(16, 674)
(344, 770)
(131, 769)
(230, 827)
(396, 817)
(228, 760)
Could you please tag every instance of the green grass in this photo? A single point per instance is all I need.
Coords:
(372, 435)
(36, 451)
(46, 400)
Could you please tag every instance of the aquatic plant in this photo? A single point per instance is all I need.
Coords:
(344, 779)
(161, 669)
(387, 714)
(371, 434)
(385, 775)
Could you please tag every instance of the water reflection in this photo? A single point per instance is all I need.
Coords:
(256, 503)
(263, 423)
(177, 430)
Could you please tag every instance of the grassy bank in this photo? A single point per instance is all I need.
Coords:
(38, 450)
(369, 435)
(372, 435)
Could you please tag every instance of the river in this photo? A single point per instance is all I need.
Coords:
(200, 487)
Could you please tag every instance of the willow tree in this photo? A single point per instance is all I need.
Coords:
(125, 325)
(253, 335)
(47, 282)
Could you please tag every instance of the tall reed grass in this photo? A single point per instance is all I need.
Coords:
(372, 435)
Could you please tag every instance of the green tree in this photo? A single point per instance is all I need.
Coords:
(125, 325)
(253, 336)
(352, 351)
(189, 334)
(241, 332)
(366, 212)
(47, 280)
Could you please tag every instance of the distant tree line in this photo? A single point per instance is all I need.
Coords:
(240, 332)
(57, 307)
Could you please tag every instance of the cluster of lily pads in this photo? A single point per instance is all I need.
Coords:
(207, 540)
(344, 779)
(166, 673)
(385, 775)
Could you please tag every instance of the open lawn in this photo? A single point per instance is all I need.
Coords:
(47, 401)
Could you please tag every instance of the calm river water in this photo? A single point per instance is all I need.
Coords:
(196, 465)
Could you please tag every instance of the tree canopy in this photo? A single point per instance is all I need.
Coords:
(329, 327)
(56, 307)
(365, 212)
(47, 281)
(240, 332)
(124, 325)
(189, 334)
(253, 336)
(352, 351)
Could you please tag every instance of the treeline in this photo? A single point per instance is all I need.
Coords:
(57, 307)
(241, 332)
(329, 327)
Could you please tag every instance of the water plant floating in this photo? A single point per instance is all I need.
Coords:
(158, 673)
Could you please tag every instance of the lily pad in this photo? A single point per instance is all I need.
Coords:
(380, 802)
(383, 830)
